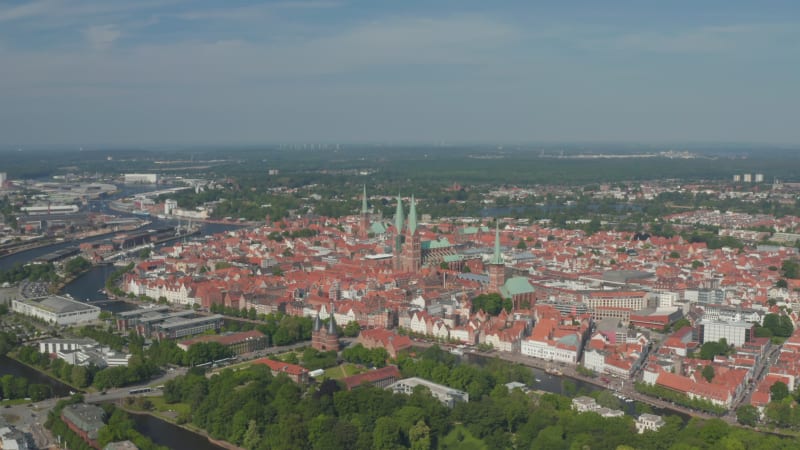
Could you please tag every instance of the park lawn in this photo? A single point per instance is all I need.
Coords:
(343, 371)
(160, 405)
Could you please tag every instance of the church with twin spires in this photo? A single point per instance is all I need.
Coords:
(407, 249)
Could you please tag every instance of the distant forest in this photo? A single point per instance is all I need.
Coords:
(402, 164)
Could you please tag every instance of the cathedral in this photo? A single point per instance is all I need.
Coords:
(407, 247)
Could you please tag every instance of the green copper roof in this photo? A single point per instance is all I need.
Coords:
(436, 243)
(497, 258)
(473, 230)
(377, 228)
(364, 201)
(398, 215)
(412, 217)
(452, 258)
(515, 286)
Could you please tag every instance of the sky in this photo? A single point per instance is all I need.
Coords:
(165, 72)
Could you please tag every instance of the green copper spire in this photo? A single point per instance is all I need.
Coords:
(496, 258)
(398, 215)
(364, 201)
(412, 216)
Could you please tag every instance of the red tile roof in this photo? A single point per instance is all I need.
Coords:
(372, 376)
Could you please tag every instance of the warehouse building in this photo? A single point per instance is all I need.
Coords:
(56, 309)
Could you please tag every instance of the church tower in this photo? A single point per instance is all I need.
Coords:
(363, 223)
(397, 251)
(412, 248)
(497, 268)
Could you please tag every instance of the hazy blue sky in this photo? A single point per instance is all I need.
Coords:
(89, 72)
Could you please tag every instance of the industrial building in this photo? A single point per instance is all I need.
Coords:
(160, 323)
(50, 209)
(56, 309)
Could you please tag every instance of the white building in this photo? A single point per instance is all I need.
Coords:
(169, 206)
(594, 359)
(141, 178)
(736, 333)
(565, 349)
(447, 395)
(648, 422)
(50, 209)
(584, 404)
(759, 178)
(56, 309)
(55, 345)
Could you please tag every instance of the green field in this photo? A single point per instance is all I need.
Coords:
(343, 370)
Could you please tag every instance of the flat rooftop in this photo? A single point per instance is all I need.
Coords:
(179, 323)
(58, 304)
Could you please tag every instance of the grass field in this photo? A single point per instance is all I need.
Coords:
(343, 370)
(161, 406)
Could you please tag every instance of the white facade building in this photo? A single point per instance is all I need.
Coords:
(447, 395)
(566, 352)
(143, 178)
(736, 333)
(56, 309)
(648, 422)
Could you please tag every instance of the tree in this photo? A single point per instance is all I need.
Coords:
(674, 255)
(387, 434)
(708, 372)
(352, 329)
(521, 245)
(778, 391)
(252, 437)
(420, 436)
(790, 269)
(593, 226)
(79, 376)
(782, 283)
(747, 415)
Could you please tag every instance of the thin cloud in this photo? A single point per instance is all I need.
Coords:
(28, 10)
(102, 37)
(705, 39)
(254, 12)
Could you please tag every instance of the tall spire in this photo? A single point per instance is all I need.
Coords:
(412, 216)
(496, 258)
(398, 215)
(332, 323)
(364, 201)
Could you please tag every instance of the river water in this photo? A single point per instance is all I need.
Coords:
(169, 435)
(10, 366)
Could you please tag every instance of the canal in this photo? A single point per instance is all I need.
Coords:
(169, 435)
(13, 367)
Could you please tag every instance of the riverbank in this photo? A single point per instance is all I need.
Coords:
(571, 373)
(58, 387)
